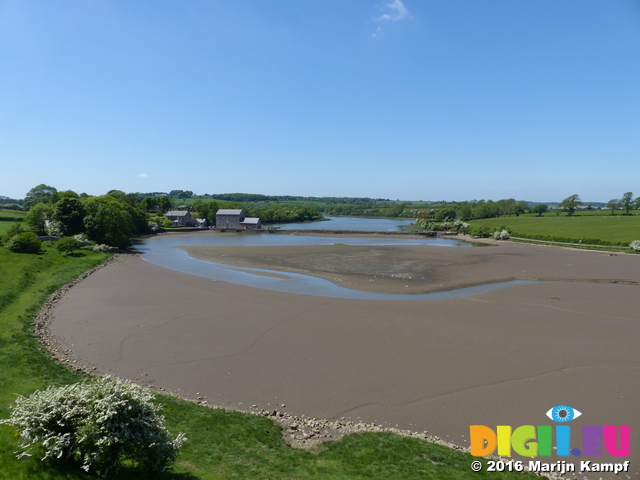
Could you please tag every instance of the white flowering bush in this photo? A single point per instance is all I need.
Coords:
(154, 227)
(501, 235)
(635, 245)
(98, 424)
(101, 247)
(82, 238)
(461, 226)
(55, 229)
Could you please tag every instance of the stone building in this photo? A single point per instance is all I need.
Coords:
(228, 218)
(181, 218)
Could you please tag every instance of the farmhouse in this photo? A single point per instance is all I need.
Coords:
(234, 218)
(181, 218)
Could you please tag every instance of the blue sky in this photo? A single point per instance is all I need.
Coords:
(411, 99)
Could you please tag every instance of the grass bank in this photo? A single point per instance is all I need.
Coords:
(222, 444)
(591, 229)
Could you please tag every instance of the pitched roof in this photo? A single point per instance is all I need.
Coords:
(251, 220)
(177, 213)
(229, 211)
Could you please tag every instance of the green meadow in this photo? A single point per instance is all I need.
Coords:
(15, 216)
(602, 226)
(221, 444)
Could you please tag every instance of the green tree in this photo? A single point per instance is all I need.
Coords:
(506, 206)
(540, 208)
(67, 194)
(68, 245)
(520, 208)
(613, 204)
(69, 212)
(465, 212)
(627, 202)
(571, 203)
(149, 203)
(40, 194)
(181, 194)
(165, 203)
(108, 221)
(128, 198)
(207, 210)
(139, 218)
(37, 217)
(397, 209)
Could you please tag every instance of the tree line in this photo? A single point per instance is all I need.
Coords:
(109, 219)
(276, 213)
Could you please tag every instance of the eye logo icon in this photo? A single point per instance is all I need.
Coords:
(563, 413)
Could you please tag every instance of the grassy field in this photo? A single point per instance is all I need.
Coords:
(12, 213)
(222, 444)
(618, 229)
(4, 226)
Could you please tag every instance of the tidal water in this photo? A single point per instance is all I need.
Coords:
(162, 251)
(350, 223)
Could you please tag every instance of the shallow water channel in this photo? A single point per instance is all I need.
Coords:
(162, 251)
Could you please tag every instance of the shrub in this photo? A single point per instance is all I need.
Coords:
(98, 424)
(55, 229)
(635, 245)
(461, 226)
(481, 231)
(68, 245)
(501, 235)
(14, 230)
(83, 239)
(25, 242)
(102, 248)
(154, 227)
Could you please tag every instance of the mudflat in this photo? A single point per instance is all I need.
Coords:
(503, 357)
(424, 268)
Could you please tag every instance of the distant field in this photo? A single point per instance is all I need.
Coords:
(12, 213)
(6, 214)
(618, 229)
(5, 226)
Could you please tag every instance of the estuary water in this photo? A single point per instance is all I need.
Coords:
(162, 251)
(362, 224)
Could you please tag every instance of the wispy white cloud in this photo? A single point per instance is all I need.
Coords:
(143, 175)
(393, 11)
